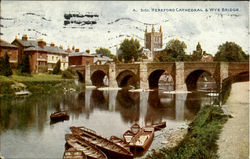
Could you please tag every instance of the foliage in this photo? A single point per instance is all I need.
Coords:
(230, 52)
(200, 142)
(130, 49)
(67, 75)
(57, 68)
(197, 55)
(5, 66)
(103, 51)
(25, 64)
(174, 51)
(106, 52)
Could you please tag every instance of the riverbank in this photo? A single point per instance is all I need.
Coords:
(234, 142)
(200, 140)
(38, 83)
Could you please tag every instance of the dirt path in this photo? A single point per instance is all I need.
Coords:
(234, 139)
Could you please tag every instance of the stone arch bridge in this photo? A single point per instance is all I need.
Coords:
(146, 75)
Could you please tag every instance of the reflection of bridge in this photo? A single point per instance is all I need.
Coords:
(184, 74)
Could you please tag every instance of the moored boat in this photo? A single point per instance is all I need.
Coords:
(120, 142)
(159, 126)
(111, 149)
(135, 128)
(128, 135)
(72, 153)
(143, 139)
(87, 148)
(61, 115)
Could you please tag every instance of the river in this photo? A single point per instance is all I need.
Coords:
(26, 130)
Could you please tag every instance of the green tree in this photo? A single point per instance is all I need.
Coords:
(230, 51)
(174, 51)
(25, 64)
(57, 68)
(103, 51)
(5, 67)
(130, 49)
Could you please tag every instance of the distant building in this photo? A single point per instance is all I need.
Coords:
(206, 57)
(101, 60)
(11, 50)
(42, 57)
(77, 58)
(153, 41)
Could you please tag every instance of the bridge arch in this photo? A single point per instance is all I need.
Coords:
(97, 78)
(154, 77)
(126, 78)
(193, 77)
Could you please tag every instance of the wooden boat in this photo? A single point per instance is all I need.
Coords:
(72, 153)
(159, 126)
(128, 135)
(111, 149)
(61, 115)
(143, 139)
(135, 128)
(120, 142)
(87, 148)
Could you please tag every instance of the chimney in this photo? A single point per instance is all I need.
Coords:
(88, 51)
(61, 47)
(160, 29)
(25, 37)
(52, 44)
(68, 50)
(40, 43)
(77, 50)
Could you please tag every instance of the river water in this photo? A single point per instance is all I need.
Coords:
(26, 131)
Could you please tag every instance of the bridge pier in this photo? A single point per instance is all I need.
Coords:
(180, 84)
(223, 72)
(143, 76)
(112, 76)
(87, 76)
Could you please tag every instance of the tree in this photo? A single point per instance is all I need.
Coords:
(25, 64)
(130, 49)
(5, 67)
(103, 51)
(57, 68)
(174, 51)
(230, 51)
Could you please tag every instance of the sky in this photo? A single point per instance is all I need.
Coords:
(192, 22)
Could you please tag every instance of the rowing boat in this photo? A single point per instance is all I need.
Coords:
(61, 115)
(87, 148)
(120, 142)
(143, 139)
(72, 153)
(111, 149)
(135, 128)
(159, 126)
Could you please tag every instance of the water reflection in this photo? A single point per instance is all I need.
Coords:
(108, 112)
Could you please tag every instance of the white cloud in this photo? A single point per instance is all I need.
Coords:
(209, 28)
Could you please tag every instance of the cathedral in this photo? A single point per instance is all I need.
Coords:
(153, 42)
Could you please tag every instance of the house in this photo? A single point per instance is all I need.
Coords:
(101, 60)
(11, 50)
(77, 58)
(57, 53)
(37, 50)
(37, 57)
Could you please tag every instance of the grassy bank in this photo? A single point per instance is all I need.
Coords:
(200, 141)
(44, 83)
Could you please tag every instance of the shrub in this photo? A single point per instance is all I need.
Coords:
(5, 66)
(67, 75)
(57, 68)
(25, 65)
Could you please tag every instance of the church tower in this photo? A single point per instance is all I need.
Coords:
(153, 39)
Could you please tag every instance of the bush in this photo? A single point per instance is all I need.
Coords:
(67, 75)
(25, 65)
(5, 66)
(57, 68)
